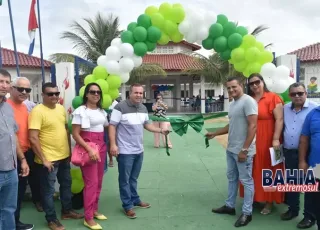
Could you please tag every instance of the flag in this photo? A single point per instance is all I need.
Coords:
(33, 25)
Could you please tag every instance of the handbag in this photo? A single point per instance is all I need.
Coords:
(80, 156)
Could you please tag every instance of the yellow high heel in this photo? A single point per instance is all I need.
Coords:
(94, 227)
(101, 217)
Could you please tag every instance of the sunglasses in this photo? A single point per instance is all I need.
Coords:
(21, 89)
(53, 94)
(257, 83)
(299, 94)
(95, 92)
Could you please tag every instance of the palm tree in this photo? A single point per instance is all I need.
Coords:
(91, 43)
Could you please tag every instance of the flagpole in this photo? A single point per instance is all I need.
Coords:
(40, 36)
(14, 39)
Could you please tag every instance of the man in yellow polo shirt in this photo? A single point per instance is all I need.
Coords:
(49, 139)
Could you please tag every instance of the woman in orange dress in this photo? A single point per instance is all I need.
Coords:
(269, 134)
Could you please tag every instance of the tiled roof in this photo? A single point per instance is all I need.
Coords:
(172, 62)
(26, 61)
(309, 53)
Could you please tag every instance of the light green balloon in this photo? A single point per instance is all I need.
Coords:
(157, 20)
(103, 85)
(99, 72)
(81, 91)
(114, 82)
(106, 101)
(114, 93)
(77, 181)
(89, 79)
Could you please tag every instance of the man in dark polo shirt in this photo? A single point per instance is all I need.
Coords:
(9, 152)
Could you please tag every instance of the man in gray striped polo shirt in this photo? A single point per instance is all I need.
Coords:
(128, 119)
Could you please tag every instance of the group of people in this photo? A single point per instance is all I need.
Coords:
(35, 148)
(259, 121)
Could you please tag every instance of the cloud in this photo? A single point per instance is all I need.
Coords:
(292, 22)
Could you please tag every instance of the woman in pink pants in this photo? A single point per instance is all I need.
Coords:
(159, 108)
(88, 125)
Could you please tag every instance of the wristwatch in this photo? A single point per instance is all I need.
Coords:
(245, 151)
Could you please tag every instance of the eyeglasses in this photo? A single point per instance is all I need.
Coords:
(299, 94)
(22, 89)
(95, 92)
(257, 83)
(53, 94)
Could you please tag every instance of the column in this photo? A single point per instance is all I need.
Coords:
(123, 91)
(203, 97)
(177, 99)
(148, 91)
(226, 100)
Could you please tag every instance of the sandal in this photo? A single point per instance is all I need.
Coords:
(265, 211)
(110, 164)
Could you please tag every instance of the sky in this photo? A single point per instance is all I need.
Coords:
(292, 24)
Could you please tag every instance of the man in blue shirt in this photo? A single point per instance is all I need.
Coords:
(295, 113)
(309, 154)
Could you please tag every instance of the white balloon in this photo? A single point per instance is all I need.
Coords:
(202, 33)
(113, 67)
(102, 60)
(126, 64)
(209, 19)
(184, 27)
(269, 82)
(113, 53)
(124, 77)
(136, 60)
(291, 80)
(116, 42)
(268, 70)
(126, 50)
(280, 86)
(282, 72)
(191, 37)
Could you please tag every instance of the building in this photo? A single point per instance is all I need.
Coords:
(30, 67)
(174, 60)
(309, 63)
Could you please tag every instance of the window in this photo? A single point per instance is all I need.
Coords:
(302, 75)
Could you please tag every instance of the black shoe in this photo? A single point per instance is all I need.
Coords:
(243, 220)
(305, 223)
(225, 210)
(288, 215)
(22, 226)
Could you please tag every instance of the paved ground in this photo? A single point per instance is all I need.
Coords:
(182, 188)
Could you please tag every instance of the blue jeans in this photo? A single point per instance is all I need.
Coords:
(129, 166)
(240, 171)
(62, 172)
(8, 199)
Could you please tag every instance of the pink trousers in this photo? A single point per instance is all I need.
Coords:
(93, 175)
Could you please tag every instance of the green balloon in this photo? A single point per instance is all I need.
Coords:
(254, 67)
(242, 30)
(106, 101)
(151, 46)
(132, 26)
(144, 20)
(220, 44)
(81, 91)
(70, 125)
(76, 102)
(177, 14)
(229, 28)
(252, 54)
(127, 37)
(215, 30)
(226, 55)
(154, 34)
(176, 37)
(234, 40)
(77, 181)
(170, 27)
(222, 19)
(99, 72)
(140, 34)
(89, 79)
(285, 95)
(103, 85)
(114, 82)
(140, 48)
(240, 66)
(114, 93)
(207, 43)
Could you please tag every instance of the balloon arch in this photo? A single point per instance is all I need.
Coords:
(172, 22)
